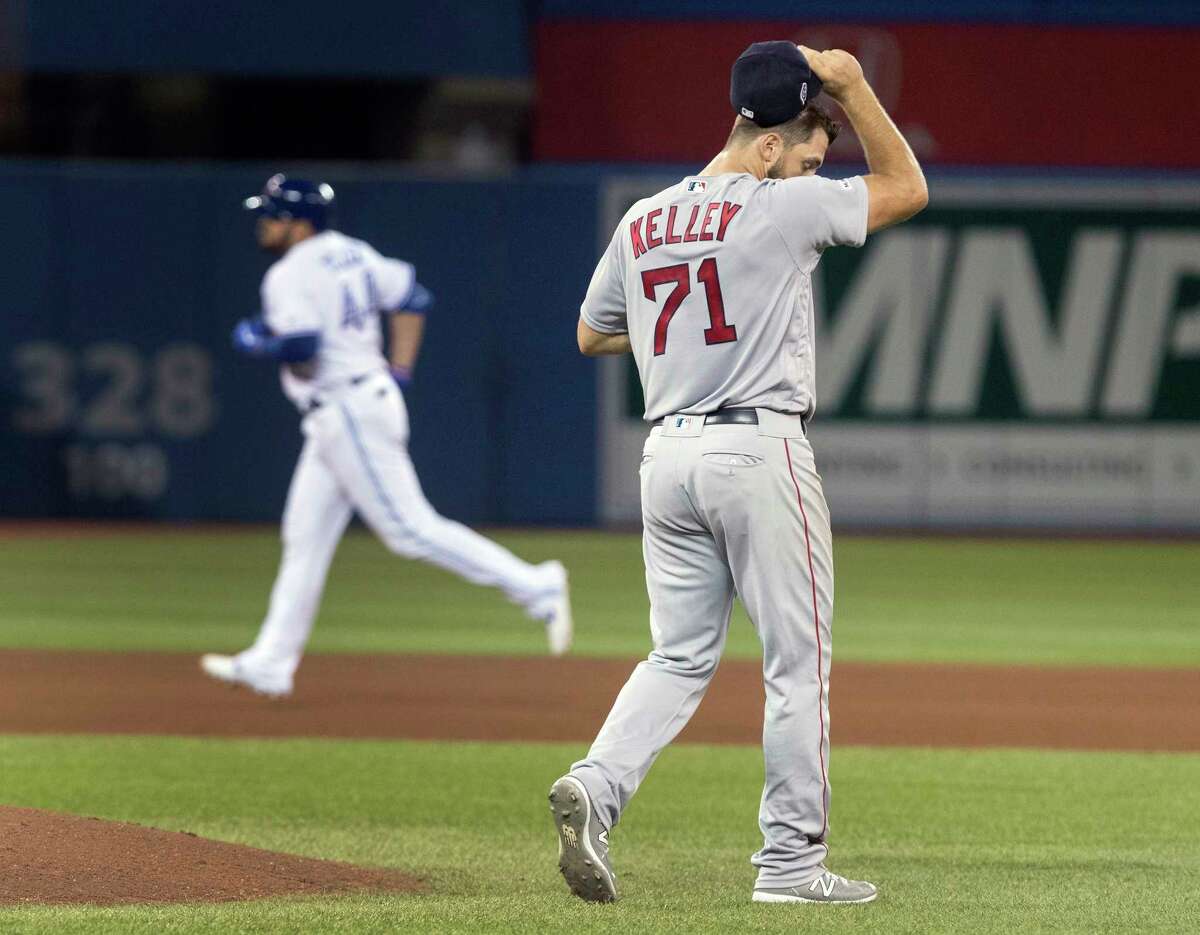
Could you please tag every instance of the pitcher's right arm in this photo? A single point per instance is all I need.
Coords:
(896, 186)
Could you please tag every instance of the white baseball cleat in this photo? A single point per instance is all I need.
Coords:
(232, 670)
(560, 626)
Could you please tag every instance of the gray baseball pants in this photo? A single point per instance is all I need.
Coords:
(732, 509)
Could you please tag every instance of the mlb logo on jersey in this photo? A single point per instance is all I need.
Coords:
(697, 185)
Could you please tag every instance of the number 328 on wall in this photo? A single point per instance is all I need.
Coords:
(116, 376)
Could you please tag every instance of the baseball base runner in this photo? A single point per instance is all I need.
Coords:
(322, 304)
(708, 284)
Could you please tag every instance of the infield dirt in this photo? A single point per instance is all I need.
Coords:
(542, 699)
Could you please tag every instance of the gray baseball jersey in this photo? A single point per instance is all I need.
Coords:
(711, 279)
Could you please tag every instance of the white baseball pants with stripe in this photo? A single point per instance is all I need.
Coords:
(733, 509)
(355, 459)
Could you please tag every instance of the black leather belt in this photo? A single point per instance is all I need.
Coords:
(728, 417)
(316, 402)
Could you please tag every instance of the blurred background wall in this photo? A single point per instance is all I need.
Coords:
(1025, 354)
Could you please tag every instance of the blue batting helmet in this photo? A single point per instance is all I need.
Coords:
(294, 200)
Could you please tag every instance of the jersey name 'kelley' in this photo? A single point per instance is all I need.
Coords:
(655, 238)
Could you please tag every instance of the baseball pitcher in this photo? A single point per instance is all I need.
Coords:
(322, 303)
(708, 284)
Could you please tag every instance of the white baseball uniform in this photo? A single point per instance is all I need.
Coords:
(355, 457)
(711, 280)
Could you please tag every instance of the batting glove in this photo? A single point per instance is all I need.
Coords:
(249, 334)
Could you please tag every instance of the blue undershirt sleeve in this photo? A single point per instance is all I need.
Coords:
(419, 301)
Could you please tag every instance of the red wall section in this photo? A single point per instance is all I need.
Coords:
(975, 95)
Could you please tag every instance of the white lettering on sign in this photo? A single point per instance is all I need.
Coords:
(890, 301)
(1160, 259)
(887, 321)
(996, 283)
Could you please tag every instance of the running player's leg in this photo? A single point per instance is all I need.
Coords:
(314, 519)
(780, 553)
(372, 461)
(691, 596)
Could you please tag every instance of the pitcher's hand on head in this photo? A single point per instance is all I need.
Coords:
(838, 70)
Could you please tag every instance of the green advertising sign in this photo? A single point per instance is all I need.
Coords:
(994, 313)
(980, 312)
(1023, 353)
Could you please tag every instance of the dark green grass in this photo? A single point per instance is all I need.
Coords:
(959, 841)
(1005, 601)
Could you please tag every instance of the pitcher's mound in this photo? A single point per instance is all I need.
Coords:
(46, 857)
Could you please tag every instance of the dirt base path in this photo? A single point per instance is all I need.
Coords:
(53, 858)
(496, 698)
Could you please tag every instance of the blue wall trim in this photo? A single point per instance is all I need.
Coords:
(303, 37)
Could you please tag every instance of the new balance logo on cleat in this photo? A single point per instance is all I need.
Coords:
(582, 843)
(828, 887)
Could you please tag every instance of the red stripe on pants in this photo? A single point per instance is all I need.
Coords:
(816, 629)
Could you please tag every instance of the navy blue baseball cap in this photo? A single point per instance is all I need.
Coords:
(771, 83)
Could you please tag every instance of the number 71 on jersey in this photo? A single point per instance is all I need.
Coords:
(718, 331)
